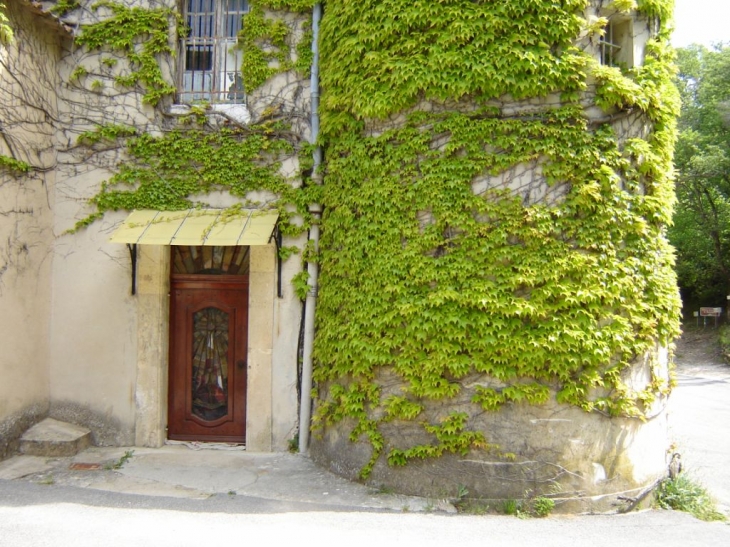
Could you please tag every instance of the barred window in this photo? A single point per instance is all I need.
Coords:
(210, 60)
(616, 46)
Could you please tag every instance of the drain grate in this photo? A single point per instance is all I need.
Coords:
(84, 466)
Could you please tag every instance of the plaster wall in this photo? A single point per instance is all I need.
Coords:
(27, 106)
(94, 334)
(94, 339)
(260, 348)
(153, 305)
(285, 357)
(84, 349)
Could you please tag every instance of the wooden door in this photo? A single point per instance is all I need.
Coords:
(208, 348)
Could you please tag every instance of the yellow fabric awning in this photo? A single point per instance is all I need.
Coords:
(197, 227)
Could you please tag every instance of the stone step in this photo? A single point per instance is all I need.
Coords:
(51, 438)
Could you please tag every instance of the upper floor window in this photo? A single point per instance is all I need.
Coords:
(616, 47)
(210, 61)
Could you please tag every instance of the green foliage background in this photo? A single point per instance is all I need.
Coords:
(551, 300)
(701, 231)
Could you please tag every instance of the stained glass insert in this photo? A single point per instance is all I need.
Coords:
(210, 260)
(210, 364)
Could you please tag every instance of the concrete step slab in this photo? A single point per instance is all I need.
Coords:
(52, 438)
(21, 466)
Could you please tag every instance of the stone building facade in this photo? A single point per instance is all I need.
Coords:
(79, 345)
(95, 318)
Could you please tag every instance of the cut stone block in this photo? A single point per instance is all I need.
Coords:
(51, 438)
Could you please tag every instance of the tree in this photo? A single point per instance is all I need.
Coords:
(701, 231)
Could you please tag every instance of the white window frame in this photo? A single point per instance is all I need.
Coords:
(210, 61)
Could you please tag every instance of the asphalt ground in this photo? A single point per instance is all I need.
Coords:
(182, 496)
(34, 515)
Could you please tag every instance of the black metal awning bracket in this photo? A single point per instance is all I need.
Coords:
(133, 257)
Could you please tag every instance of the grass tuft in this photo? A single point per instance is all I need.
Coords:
(724, 340)
(684, 494)
(542, 507)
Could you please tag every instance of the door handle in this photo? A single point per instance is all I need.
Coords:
(241, 364)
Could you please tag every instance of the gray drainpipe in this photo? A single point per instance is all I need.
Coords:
(305, 404)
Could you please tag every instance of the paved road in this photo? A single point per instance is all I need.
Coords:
(36, 516)
(700, 414)
(63, 514)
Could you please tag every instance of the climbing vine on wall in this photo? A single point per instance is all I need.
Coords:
(6, 32)
(173, 171)
(166, 172)
(257, 61)
(266, 42)
(432, 279)
(375, 64)
(423, 276)
(143, 36)
(13, 165)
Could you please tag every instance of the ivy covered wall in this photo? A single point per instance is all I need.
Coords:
(493, 237)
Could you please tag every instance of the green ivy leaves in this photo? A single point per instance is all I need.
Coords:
(492, 399)
(142, 35)
(166, 172)
(6, 32)
(428, 276)
(451, 436)
(381, 56)
(110, 132)
(13, 165)
(265, 42)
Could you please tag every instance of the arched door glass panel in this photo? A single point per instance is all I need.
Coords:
(210, 364)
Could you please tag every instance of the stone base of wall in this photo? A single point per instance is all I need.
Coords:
(12, 427)
(105, 430)
(584, 462)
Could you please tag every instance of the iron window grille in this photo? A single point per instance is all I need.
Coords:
(608, 49)
(209, 55)
(616, 43)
